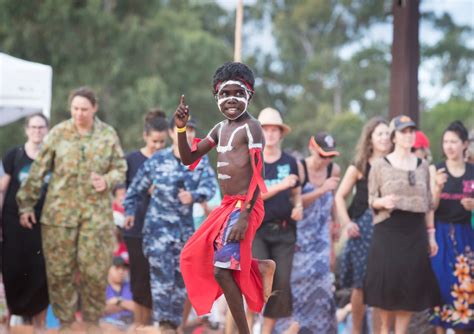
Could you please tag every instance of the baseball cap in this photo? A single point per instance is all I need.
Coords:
(325, 144)
(401, 122)
(119, 261)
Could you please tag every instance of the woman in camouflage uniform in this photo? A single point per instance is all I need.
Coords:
(85, 159)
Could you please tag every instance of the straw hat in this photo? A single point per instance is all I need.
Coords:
(270, 116)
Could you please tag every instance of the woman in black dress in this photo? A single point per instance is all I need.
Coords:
(399, 278)
(23, 269)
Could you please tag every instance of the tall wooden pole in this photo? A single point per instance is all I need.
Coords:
(405, 59)
(239, 17)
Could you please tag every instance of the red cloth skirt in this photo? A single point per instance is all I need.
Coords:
(197, 259)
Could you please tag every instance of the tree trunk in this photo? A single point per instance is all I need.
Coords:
(405, 59)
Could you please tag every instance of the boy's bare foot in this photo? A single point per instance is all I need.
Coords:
(267, 269)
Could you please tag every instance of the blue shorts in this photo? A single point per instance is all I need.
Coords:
(227, 254)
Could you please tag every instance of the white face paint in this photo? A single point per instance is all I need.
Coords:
(244, 100)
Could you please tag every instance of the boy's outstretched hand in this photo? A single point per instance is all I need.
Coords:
(182, 113)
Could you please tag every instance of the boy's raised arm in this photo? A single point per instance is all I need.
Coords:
(188, 155)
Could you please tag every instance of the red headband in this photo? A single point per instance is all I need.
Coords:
(216, 87)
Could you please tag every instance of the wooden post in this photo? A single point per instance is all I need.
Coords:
(239, 17)
(405, 59)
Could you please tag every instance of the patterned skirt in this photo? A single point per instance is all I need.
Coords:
(354, 256)
(454, 270)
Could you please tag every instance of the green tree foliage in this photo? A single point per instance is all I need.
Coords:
(136, 55)
(454, 57)
(436, 120)
(315, 88)
(309, 81)
(144, 53)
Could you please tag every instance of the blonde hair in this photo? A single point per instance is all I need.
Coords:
(364, 148)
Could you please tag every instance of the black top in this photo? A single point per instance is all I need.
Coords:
(279, 207)
(305, 169)
(360, 201)
(450, 209)
(135, 160)
(17, 164)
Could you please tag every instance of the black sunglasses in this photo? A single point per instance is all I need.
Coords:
(411, 178)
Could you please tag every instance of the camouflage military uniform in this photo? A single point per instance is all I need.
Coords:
(77, 225)
(168, 224)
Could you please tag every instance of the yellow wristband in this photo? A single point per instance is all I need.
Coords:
(181, 130)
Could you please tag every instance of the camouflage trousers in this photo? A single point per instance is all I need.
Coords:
(77, 262)
(162, 249)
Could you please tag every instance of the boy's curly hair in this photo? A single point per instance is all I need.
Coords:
(233, 71)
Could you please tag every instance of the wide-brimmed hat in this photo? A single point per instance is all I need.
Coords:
(400, 123)
(325, 144)
(270, 116)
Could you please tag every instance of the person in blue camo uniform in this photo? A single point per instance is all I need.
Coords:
(168, 224)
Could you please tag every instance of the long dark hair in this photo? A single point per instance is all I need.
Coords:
(460, 130)
(364, 148)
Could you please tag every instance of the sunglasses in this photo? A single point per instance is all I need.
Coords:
(411, 178)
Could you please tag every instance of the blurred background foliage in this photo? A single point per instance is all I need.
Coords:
(145, 53)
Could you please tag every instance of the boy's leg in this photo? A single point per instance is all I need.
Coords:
(233, 295)
(226, 259)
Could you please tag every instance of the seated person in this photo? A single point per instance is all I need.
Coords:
(119, 306)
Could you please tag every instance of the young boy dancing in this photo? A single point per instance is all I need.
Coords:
(218, 257)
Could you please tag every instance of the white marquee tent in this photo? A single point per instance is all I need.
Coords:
(25, 88)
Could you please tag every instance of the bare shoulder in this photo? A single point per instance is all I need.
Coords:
(254, 124)
(213, 134)
(255, 131)
(353, 173)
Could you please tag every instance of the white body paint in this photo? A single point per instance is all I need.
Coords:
(223, 176)
(244, 100)
(229, 147)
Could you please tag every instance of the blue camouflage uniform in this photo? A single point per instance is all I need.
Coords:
(168, 224)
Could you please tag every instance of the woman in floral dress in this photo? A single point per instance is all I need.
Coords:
(454, 263)
(311, 278)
